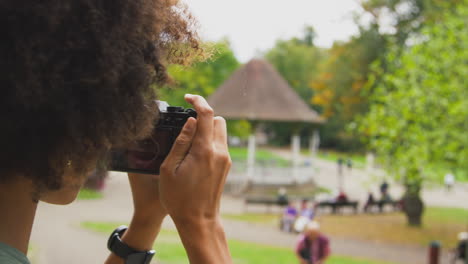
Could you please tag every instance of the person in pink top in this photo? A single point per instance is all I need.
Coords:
(312, 247)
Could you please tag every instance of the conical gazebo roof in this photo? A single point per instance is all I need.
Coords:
(258, 92)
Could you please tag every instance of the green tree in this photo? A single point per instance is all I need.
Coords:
(338, 89)
(298, 61)
(417, 121)
(406, 16)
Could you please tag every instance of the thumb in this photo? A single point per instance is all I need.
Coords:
(181, 145)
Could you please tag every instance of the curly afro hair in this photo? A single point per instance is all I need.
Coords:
(77, 77)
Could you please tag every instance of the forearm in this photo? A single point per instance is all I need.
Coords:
(204, 240)
(140, 235)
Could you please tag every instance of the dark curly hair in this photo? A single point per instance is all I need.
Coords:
(77, 77)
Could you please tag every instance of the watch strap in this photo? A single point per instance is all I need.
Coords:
(130, 255)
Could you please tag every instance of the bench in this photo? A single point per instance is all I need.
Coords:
(380, 205)
(268, 201)
(336, 206)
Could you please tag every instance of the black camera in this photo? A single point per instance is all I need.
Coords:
(147, 155)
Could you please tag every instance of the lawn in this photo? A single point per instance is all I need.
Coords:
(169, 250)
(442, 224)
(88, 194)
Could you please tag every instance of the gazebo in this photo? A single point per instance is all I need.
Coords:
(257, 92)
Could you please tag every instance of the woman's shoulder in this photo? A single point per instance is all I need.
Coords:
(10, 255)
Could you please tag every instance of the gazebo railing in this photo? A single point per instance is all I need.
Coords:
(270, 174)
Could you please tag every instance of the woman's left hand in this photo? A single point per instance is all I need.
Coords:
(148, 215)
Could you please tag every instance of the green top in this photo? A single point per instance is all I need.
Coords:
(10, 255)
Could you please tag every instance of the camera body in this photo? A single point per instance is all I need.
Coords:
(146, 156)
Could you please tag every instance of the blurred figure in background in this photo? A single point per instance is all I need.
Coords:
(306, 214)
(384, 190)
(289, 217)
(342, 197)
(312, 247)
(306, 210)
(282, 197)
(349, 164)
(370, 200)
(449, 181)
(340, 162)
(460, 252)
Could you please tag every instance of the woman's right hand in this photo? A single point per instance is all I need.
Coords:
(193, 174)
(191, 183)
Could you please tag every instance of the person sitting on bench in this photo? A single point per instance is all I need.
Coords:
(289, 217)
(342, 197)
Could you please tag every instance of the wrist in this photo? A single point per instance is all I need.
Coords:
(123, 251)
(210, 245)
(142, 232)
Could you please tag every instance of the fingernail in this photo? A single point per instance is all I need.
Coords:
(188, 95)
(190, 124)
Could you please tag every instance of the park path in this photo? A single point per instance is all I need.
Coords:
(57, 237)
(358, 182)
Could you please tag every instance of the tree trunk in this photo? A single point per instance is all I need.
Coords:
(413, 208)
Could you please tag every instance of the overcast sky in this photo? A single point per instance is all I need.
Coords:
(255, 25)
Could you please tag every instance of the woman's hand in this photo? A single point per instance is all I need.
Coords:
(191, 183)
(194, 173)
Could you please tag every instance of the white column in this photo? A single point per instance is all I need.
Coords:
(314, 143)
(370, 159)
(295, 148)
(251, 158)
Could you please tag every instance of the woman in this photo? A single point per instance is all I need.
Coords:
(77, 78)
(312, 247)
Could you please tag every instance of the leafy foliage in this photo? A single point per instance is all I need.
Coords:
(417, 119)
(297, 60)
(338, 90)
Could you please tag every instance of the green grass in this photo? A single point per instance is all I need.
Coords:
(169, 250)
(447, 216)
(261, 155)
(88, 194)
(442, 224)
(359, 160)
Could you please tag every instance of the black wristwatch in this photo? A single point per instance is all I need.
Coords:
(130, 255)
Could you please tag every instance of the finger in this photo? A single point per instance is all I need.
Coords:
(181, 145)
(220, 133)
(204, 119)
